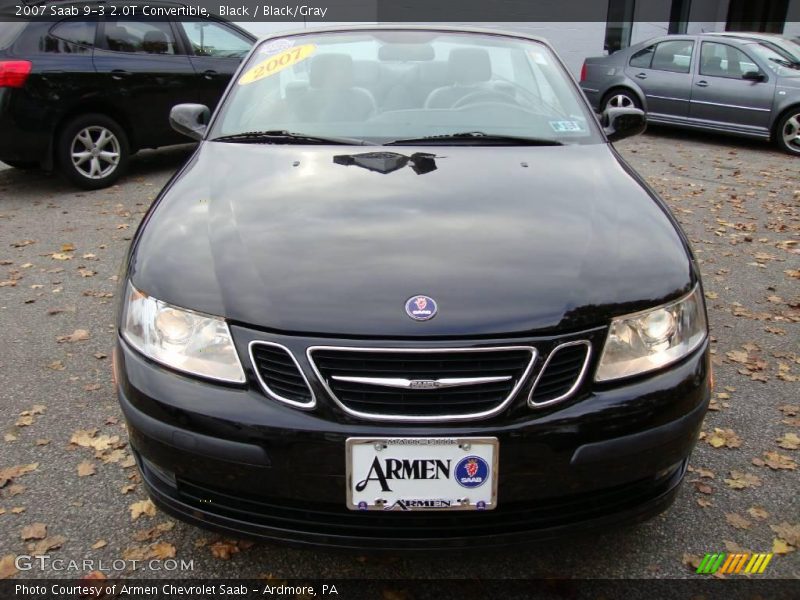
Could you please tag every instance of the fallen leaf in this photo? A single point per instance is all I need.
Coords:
(34, 531)
(775, 461)
(68, 247)
(757, 513)
(737, 521)
(789, 441)
(780, 546)
(789, 533)
(740, 480)
(143, 507)
(692, 561)
(9, 473)
(8, 567)
(79, 335)
(85, 469)
(61, 256)
(162, 551)
(99, 544)
(18, 510)
(224, 549)
(724, 438)
(49, 543)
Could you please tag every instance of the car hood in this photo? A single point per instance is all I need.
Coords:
(335, 239)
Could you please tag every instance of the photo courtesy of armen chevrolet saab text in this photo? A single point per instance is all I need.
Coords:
(406, 294)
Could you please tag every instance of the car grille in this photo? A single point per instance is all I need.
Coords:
(505, 368)
(561, 373)
(279, 374)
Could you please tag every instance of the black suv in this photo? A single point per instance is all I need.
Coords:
(83, 94)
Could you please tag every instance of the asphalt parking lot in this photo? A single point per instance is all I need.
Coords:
(68, 487)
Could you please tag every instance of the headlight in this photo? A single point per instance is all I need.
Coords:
(654, 338)
(181, 339)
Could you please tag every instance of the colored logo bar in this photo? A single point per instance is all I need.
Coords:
(741, 562)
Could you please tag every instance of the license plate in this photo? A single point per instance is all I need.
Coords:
(422, 473)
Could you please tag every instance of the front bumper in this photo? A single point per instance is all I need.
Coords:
(231, 459)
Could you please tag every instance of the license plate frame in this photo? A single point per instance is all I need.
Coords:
(458, 449)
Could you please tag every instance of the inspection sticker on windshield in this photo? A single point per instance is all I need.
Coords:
(276, 63)
(565, 126)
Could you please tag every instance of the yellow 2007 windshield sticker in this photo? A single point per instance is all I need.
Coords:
(276, 63)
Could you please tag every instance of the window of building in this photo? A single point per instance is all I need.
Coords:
(619, 23)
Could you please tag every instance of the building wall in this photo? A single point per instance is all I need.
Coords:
(792, 27)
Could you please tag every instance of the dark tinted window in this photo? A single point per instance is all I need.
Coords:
(673, 56)
(148, 37)
(643, 58)
(9, 33)
(76, 31)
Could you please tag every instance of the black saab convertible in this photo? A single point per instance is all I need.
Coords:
(406, 294)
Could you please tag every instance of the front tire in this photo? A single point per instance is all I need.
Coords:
(620, 99)
(92, 151)
(787, 132)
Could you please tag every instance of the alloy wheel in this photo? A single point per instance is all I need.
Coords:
(95, 152)
(620, 101)
(791, 133)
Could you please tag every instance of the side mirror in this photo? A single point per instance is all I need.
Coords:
(190, 119)
(754, 76)
(619, 123)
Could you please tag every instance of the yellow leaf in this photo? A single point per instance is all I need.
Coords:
(780, 546)
(34, 531)
(85, 469)
(143, 507)
(8, 566)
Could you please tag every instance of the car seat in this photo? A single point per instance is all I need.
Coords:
(470, 69)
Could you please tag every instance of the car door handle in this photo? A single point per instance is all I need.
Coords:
(119, 74)
(210, 74)
(702, 83)
(641, 76)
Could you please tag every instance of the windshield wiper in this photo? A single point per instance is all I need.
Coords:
(281, 136)
(479, 136)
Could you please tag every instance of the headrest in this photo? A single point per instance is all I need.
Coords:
(155, 37)
(155, 41)
(469, 65)
(406, 52)
(331, 71)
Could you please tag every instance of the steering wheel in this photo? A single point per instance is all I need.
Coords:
(485, 96)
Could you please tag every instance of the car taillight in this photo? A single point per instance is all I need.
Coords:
(14, 73)
(583, 71)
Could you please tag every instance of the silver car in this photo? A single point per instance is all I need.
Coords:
(724, 84)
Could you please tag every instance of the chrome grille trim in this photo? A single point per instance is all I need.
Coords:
(267, 390)
(423, 418)
(578, 379)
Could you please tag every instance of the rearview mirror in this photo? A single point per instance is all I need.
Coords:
(190, 119)
(619, 123)
(754, 76)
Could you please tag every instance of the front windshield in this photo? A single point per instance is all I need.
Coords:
(780, 63)
(387, 85)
